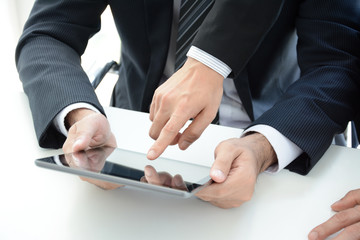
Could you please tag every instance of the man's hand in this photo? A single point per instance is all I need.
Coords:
(88, 129)
(194, 91)
(238, 162)
(346, 218)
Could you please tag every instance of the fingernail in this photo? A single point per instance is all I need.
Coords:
(178, 181)
(184, 145)
(77, 142)
(313, 236)
(148, 173)
(151, 154)
(218, 175)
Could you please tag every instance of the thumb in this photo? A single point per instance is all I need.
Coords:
(81, 143)
(221, 167)
(79, 138)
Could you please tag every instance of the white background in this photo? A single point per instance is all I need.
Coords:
(102, 48)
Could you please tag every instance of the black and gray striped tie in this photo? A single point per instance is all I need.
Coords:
(192, 14)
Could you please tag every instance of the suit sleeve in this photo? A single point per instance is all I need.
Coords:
(236, 26)
(324, 99)
(48, 61)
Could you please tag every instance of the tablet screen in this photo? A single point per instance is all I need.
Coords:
(124, 167)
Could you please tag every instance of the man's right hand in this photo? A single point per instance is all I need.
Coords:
(88, 129)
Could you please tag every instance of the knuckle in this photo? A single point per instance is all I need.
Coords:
(353, 231)
(73, 129)
(341, 217)
(210, 115)
(221, 145)
(357, 209)
(227, 146)
(353, 195)
(170, 128)
(247, 197)
(191, 135)
(153, 134)
(222, 193)
(230, 143)
(165, 98)
(350, 194)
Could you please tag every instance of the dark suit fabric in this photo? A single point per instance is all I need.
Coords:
(308, 97)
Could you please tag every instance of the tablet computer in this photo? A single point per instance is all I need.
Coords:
(123, 167)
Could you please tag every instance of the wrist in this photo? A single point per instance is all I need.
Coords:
(76, 115)
(265, 154)
(209, 60)
(192, 63)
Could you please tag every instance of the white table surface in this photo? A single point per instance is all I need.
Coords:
(37, 203)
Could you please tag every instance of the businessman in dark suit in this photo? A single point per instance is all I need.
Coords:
(306, 98)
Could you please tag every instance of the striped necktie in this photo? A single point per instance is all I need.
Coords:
(192, 14)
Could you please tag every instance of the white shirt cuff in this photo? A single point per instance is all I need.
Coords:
(286, 151)
(209, 60)
(59, 120)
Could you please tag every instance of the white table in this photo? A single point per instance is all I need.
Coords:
(38, 203)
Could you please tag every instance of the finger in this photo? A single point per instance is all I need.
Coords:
(208, 193)
(222, 164)
(176, 139)
(143, 179)
(178, 183)
(157, 125)
(350, 200)
(151, 175)
(195, 129)
(78, 160)
(155, 103)
(152, 110)
(155, 178)
(79, 138)
(167, 136)
(220, 195)
(350, 233)
(216, 191)
(337, 222)
(96, 158)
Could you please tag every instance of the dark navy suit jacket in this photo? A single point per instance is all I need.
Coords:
(295, 62)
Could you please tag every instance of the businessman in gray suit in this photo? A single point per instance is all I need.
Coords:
(258, 81)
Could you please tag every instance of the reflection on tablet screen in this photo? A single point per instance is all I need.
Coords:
(130, 168)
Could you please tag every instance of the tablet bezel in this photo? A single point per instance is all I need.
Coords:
(204, 180)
